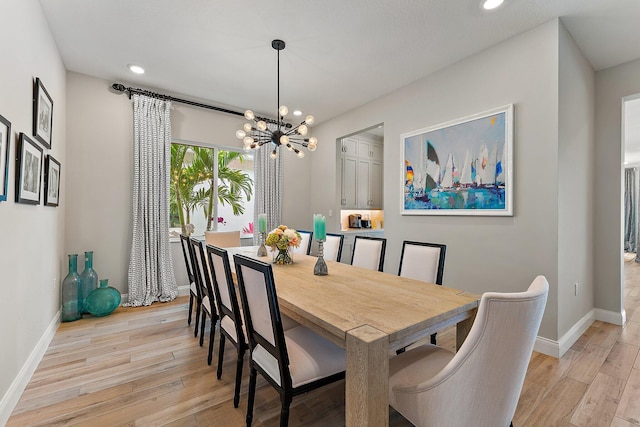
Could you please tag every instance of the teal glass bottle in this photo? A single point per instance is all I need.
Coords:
(72, 292)
(89, 279)
(103, 300)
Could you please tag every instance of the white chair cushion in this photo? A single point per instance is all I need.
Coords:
(223, 288)
(420, 263)
(416, 366)
(367, 254)
(331, 247)
(206, 304)
(304, 244)
(193, 288)
(230, 328)
(311, 357)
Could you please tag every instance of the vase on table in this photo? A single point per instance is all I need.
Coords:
(89, 279)
(103, 300)
(283, 256)
(72, 292)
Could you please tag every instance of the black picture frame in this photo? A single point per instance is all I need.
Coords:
(51, 181)
(42, 114)
(5, 142)
(28, 171)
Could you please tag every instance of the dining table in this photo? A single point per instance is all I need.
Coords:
(370, 314)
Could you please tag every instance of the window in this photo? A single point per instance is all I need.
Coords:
(195, 208)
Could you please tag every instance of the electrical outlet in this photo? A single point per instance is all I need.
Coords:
(575, 288)
(330, 212)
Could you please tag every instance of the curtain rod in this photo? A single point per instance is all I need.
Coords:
(122, 88)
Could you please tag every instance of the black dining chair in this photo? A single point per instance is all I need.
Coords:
(194, 294)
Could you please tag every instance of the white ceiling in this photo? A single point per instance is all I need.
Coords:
(340, 54)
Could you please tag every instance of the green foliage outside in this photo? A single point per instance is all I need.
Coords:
(184, 198)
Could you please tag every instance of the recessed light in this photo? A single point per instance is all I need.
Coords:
(136, 69)
(491, 4)
(297, 113)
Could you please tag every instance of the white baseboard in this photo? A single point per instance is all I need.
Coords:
(12, 396)
(558, 348)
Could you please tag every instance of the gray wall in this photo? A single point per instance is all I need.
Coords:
(576, 179)
(32, 260)
(483, 253)
(611, 86)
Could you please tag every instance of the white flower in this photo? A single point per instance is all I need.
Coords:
(289, 233)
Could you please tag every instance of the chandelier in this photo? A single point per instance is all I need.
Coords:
(257, 133)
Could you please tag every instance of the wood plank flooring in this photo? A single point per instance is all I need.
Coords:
(143, 367)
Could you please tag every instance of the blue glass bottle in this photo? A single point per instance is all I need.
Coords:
(72, 292)
(103, 300)
(89, 279)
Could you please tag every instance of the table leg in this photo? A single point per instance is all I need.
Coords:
(463, 328)
(367, 378)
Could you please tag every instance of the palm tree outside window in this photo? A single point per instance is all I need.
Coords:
(211, 189)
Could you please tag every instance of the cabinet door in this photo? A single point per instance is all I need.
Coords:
(350, 147)
(375, 185)
(376, 152)
(349, 182)
(362, 197)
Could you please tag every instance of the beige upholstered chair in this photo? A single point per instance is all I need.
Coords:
(481, 383)
(203, 278)
(222, 239)
(194, 294)
(332, 247)
(368, 252)
(231, 325)
(293, 361)
(305, 243)
(423, 261)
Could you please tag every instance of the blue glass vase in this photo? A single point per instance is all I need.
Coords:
(72, 292)
(89, 279)
(103, 300)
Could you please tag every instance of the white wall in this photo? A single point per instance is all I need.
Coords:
(483, 253)
(576, 180)
(32, 258)
(611, 86)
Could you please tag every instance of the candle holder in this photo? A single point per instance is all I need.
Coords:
(262, 250)
(320, 269)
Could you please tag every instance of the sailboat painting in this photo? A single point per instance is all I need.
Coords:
(462, 167)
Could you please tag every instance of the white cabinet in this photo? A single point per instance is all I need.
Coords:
(361, 174)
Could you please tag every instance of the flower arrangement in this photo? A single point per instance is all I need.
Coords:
(281, 240)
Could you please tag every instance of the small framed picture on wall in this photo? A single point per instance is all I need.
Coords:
(28, 171)
(5, 138)
(51, 181)
(42, 114)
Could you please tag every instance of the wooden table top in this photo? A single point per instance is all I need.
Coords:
(350, 297)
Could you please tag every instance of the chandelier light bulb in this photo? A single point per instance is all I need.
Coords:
(284, 139)
(240, 134)
(309, 120)
(300, 154)
(312, 147)
(289, 147)
(249, 115)
(261, 125)
(247, 148)
(283, 110)
(273, 154)
(313, 140)
(303, 129)
(247, 140)
(247, 127)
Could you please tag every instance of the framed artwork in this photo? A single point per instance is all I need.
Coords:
(5, 138)
(51, 181)
(462, 167)
(42, 114)
(28, 171)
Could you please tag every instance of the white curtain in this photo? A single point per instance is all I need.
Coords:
(268, 187)
(151, 275)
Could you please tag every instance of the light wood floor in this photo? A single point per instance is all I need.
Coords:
(143, 367)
